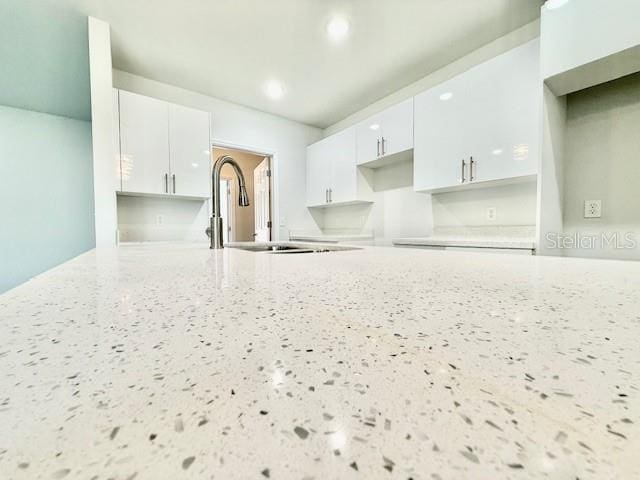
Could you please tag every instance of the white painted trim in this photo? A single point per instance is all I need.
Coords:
(104, 175)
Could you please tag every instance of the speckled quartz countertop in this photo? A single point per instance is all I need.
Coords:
(176, 362)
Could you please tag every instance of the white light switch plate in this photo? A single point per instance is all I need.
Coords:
(592, 208)
(492, 213)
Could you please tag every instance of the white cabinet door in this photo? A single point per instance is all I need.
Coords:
(386, 133)
(341, 149)
(368, 139)
(397, 128)
(144, 144)
(441, 137)
(505, 108)
(489, 115)
(116, 140)
(318, 174)
(190, 152)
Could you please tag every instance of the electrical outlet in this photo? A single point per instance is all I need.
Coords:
(492, 214)
(159, 219)
(592, 208)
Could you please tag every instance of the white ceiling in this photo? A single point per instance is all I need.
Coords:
(230, 48)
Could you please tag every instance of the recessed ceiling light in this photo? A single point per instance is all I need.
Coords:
(375, 126)
(497, 151)
(338, 28)
(274, 89)
(553, 4)
(446, 96)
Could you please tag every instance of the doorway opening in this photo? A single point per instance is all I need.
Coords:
(252, 223)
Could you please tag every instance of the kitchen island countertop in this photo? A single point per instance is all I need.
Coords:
(176, 361)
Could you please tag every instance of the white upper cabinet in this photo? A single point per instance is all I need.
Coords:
(482, 126)
(386, 134)
(318, 175)
(144, 144)
(332, 175)
(164, 148)
(189, 151)
(587, 42)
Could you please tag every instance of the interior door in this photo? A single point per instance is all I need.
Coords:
(190, 151)
(261, 199)
(144, 144)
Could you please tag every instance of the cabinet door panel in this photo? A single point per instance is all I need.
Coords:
(144, 143)
(190, 152)
(368, 135)
(506, 108)
(318, 174)
(344, 173)
(441, 136)
(397, 128)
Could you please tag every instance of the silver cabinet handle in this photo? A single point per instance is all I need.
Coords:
(464, 164)
(471, 163)
(378, 148)
(174, 182)
(383, 152)
(326, 195)
(166, 183)
(330, 196)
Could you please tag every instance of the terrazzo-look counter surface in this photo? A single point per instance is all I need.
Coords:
(177, 362)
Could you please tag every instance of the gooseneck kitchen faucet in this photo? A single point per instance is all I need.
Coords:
(215, 229)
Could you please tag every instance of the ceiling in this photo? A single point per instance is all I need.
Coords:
(229, 49)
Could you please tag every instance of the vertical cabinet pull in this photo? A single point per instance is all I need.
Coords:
(330, 195)
(463, 179)
(471, 162)
(378, 148)
(173, 177)
(326, 195)
(166, 183)
(383, 152)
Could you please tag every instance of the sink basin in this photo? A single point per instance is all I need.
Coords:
(289, 248)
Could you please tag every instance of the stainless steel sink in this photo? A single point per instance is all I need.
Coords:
(287, 248)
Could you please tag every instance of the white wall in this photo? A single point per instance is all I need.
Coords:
(602, 162)
(104, 179)
(397, 210)
(144, 219)
(234, 125)
(515, 206)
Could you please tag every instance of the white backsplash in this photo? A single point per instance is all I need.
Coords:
(150, 219)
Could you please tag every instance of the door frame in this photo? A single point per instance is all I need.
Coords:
(272, 155)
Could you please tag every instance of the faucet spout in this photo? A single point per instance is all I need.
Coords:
(215, 229)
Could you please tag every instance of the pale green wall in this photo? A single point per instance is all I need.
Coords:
(46, 196)
(44, 58)
(46, 199)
